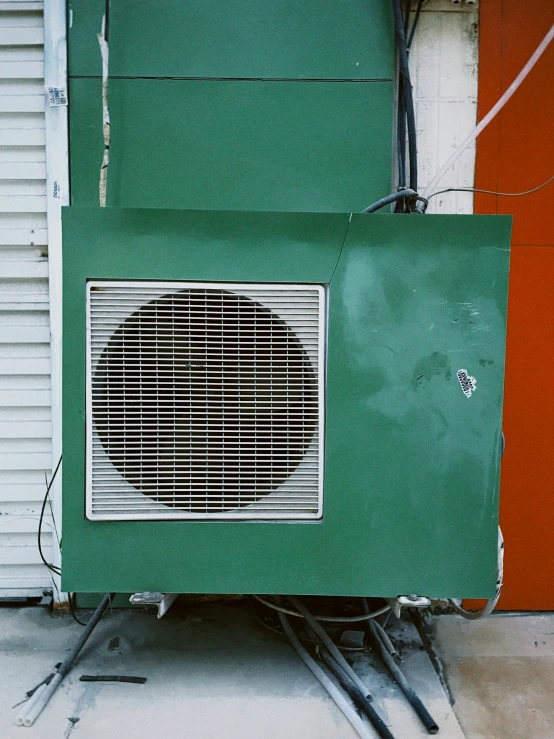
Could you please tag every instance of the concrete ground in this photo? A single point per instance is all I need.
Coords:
(213, 672)
(501, 672)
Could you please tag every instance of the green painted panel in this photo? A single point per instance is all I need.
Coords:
(303, 146)
(310, 39)
(412, 464)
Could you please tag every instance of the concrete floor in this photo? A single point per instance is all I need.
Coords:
(213, 672)
(501, 672)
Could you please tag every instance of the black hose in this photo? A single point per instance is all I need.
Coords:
(410, 35)
(357, 696)
(401, 136)
(413, 699)
(407, 92)
(388, 199)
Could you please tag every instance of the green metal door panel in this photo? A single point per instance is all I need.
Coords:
(420, 299)
(412, 464)
(310, 39)
(233, 145)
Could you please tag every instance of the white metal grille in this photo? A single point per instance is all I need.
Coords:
(204, 400)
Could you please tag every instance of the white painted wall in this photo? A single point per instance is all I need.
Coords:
(443, 66)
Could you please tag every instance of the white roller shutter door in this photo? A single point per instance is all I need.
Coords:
(25, 415)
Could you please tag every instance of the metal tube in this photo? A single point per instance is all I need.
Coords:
(385, 639)
(411, 696)
(357, 696)
(335, 693)
(331, 646)
(39, 700)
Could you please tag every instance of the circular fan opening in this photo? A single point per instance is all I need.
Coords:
(205, 400)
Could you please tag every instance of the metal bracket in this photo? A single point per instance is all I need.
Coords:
(161, 600)
(408, 601)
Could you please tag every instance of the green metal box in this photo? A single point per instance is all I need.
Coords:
(412, 368)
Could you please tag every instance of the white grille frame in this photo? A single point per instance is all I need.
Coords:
(273, 506)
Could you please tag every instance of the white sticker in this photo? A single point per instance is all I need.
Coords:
(56, 191)
(57, 96)
(467, 382)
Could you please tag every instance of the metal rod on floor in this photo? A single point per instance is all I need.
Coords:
(411, 696)
(32, 710)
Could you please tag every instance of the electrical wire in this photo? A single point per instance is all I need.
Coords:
(492, 192)
(410, 35)
(51, 567)
(70, 597)
(491, 604)
(406, 88)
(470, 138)
(306, 640)
(326, 619)
(404, 194)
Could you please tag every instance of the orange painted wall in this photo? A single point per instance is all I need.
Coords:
(515, 153)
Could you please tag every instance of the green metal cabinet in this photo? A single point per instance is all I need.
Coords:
(411, 471)
(273, 105)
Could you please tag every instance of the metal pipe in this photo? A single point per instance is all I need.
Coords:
(335, 693)
(331, 646)
(34, 707)
(385, 639)
(357, 696)
(411, 696)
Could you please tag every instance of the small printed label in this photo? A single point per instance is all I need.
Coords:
(56, 190)
(57, 96)
(467, 382)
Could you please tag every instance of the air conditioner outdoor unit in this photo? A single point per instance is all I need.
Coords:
(282, 402)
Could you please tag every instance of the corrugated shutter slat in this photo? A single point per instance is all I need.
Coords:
(25, 420)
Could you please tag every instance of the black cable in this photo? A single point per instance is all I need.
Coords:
(401, 141)
(53, 568)
(401, 108)
(405, 194)
(72, 610)
(410, 35)
(107, 21)
(492, 192)
(407, 92)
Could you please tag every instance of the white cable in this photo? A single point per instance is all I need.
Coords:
(327, 619)
(491, 604)
(492, 112)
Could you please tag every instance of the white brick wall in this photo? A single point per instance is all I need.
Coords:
(443, 64)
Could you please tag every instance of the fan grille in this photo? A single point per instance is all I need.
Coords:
(204, 400)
